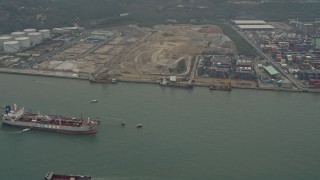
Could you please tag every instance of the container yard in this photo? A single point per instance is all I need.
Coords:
(294, 50)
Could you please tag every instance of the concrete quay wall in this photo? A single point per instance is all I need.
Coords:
(71, 75)
(33, 72)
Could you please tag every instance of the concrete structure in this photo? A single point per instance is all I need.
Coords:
(101, 33)
(17, 34)
(249, 22)
(256, 27)
(27, 31)
(66, 29)
(173, 78)
(4, 39)
(24, 42)
(35, 38)
(60, 30)
(45, 33)
(286, 84)
(11, 46)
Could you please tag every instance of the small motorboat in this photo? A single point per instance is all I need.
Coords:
(123, 123)
(95, 121)
(93, 101)
(26, 129)
(139, 125)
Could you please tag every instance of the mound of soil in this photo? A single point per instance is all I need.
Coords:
(211, 30)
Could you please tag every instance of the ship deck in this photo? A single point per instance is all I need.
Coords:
(51, 119)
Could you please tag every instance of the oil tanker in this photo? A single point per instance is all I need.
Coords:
(57, 123)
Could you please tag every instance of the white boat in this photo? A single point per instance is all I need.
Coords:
(26, 129)
(139, 125)
(93, 101)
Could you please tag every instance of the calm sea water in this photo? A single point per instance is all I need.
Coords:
(187, 134)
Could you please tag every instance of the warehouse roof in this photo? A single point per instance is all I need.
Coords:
(271, 70)
(243, 22)
(252, 27)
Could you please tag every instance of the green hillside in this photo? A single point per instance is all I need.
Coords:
(20, 14)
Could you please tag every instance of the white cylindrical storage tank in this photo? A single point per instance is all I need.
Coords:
(17, 34)
(11, 46)
(35, 37)
(24, 42)
(45, 33)
(4, 39)
(27, 31)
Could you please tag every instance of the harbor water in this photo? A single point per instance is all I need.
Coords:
(186, 134)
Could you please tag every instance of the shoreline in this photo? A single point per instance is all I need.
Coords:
(45, 73)
(69, 75)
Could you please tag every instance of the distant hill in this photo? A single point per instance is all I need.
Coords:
(20, 14)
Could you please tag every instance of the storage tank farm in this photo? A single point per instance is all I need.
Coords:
(17, 34)
(45, 33)
(11, 46)
(35, 38)
(24, 42)
(27, 31)
(4, 39)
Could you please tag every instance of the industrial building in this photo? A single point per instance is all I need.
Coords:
(256, 27)
(217, 66)
(244, 70)
(272, 71)
(253, 25)
(249, 22)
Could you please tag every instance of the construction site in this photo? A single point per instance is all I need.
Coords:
(125, 53)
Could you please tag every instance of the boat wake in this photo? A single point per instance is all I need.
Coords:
(43, 82)
(112, 118)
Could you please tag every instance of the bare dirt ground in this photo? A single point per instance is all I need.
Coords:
(158, 52)
(142, 54)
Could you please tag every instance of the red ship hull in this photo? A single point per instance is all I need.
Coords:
(52, 176)
(93, 131)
